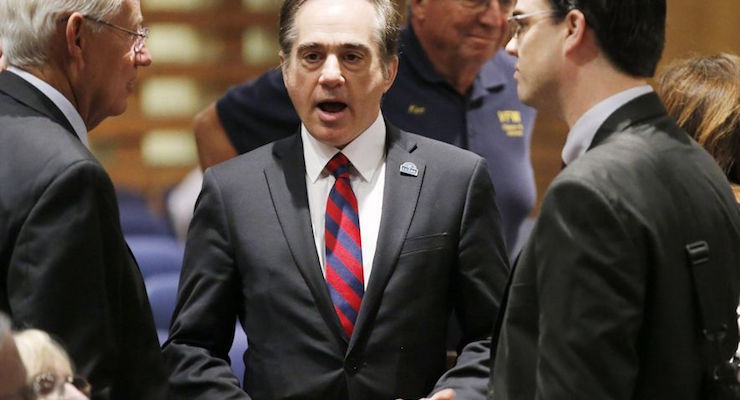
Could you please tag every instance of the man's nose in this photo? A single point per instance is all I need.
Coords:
(331, 71)
(143, 58)
(513, 46)
(494, 14)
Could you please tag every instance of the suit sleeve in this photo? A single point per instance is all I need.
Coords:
(208, 300)
(72, 275)
(591, 290)
(481, 275)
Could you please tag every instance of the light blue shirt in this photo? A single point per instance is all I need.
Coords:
(64, 105)
(582, 133)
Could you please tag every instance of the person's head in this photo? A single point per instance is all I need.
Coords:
(703, 95)
(49, 371)
(12, 372)
(338, 58)
(557, 41)
(469, 31)
(87, 49)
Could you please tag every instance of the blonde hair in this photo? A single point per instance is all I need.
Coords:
(703, 95)
(40, 353)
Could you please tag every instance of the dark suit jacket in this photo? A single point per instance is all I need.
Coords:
(601, 304)
(251, 254)
(64, 266)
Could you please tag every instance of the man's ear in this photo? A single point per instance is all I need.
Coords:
(73, 36)
(391, 69)
(576, 24)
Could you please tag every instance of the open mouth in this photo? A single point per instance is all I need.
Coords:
(332, 106)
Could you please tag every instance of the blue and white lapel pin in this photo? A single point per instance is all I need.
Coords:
(409, 168)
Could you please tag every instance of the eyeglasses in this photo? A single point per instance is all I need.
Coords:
(139, 35)
(47, 383)
(518, 23)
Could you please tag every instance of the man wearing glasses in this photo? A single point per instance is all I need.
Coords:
(64, 265)
(628, 285)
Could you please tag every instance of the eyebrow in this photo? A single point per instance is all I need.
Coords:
(345, 46)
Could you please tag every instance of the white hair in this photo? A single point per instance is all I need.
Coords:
(28, 25)
(40, 353)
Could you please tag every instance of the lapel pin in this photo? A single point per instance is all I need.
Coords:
(409, 168)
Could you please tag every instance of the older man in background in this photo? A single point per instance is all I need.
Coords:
(64, 265)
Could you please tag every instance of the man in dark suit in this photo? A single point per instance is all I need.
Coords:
(343, 285)
(603, 301)
(64, 266)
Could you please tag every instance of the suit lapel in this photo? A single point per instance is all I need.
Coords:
(645, 107)
(400, 196)
(17, 88)
(286, 180)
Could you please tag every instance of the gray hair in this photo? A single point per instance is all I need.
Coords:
(28, 26)
(386, 21)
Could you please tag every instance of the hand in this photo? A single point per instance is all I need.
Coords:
(447, 394)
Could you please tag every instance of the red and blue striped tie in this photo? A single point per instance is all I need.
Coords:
(343, 245)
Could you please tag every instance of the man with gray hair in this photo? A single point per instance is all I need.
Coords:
(344, 248)
(64, 265)
(12, 372)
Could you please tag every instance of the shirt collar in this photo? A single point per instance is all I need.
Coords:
(366, 152)
(64, 105)
(582, 133)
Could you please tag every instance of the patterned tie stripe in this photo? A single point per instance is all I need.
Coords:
(343, 246)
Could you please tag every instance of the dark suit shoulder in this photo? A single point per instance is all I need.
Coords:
(648, 171)
(438, 152)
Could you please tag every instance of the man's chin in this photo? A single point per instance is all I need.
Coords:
(334, 136)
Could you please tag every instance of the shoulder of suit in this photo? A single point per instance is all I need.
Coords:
(36, 139)
(437, 151)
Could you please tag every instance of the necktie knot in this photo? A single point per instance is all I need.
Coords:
(338, 166)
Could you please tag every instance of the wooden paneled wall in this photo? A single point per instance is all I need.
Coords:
(701, 27)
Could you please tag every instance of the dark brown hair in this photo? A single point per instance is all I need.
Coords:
(703, 95)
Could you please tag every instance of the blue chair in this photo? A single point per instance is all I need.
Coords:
(156, 254)
(162, 291)
(137, 217)
(236, 354)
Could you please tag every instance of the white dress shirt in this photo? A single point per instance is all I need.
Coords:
(583, 131)
(367, 155)
(64, 105)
